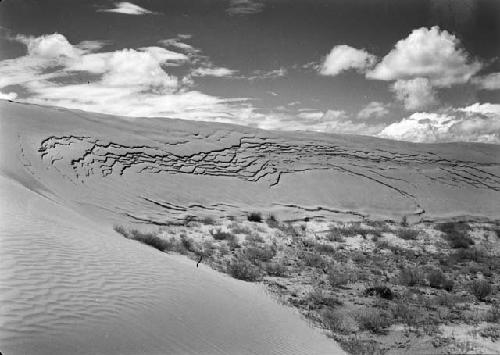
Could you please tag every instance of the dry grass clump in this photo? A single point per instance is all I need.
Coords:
(313, 259)
(407, 234)
(256, 253)
(146, 238)
(481, 289)
(341, 275)
(338, 321)
(276, 269)
(373, 320)
(221, 235)
(243, 269)
(411, 276)
(237, 228)
(438, 280)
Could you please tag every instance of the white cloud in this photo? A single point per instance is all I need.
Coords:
(244, 7)
(427, 53)
(475, 123)
(373, 109)
(488, 82)
(343, 58)
(218, 72)
(416, 93)
(125, 7)
(53, 46)
(271, 74)
(8, 96)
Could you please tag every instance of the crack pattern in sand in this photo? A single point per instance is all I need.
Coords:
(263, 159)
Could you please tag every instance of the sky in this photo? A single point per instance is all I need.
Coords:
(413, 70)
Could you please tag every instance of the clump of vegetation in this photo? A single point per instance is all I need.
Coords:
(341, 275)
(313, 259)
(407, 234)
(221, 235)
(457, 234)
(208, 220)
(254, 238)
(255, 217)
(256, 253)
(243, 269)
(411, 276)
(272, 221)
(338, 321)
(237, 228)
(276, 269)
(437, 279)
(373, 320)
(147, 238)
(481, 289)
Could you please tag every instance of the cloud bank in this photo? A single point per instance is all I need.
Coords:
(343, 57)
(127, 8)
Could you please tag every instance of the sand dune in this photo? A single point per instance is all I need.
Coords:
(69, 284)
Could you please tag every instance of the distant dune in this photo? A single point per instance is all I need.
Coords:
(71, 285)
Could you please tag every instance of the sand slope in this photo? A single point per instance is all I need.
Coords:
(69, 284)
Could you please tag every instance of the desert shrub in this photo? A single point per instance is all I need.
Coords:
(237, 228)
(151, 240)
(492, 332)
(338, 321)
(242, 269)
(380, 291)
(313, 259)
(318, 298)
(493, 314)
(404, 221)
(188, 243)
(481, 289)
(456, 234)
(276, 269)
(324, 248)
(382, 244)
(272, 221)
(233, 244)
(208, 248)
(335, 234)
(221, 235)
(341, 275)
(411, 276)
(373, 320)
(355, 345)
(471, 254)
(255, 217)
(254, 238)
(448, 285)
(436, 279)
(407, 234)
(208, 220)
(260, 253)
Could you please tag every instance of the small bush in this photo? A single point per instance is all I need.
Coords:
(151, 240)
(404, 221)
(254, 238)
(276, 269)
(481, 289)
(456, 234)
(259, 253)
(407, 234)
(436, 279)
(221, 235)
(188, 244)
(121, 230)
(411, 276)
(208, 220)
(324, 248)
(255, 217)
(355, 345)
(272, 221)
(373, 320)
(242, 269)
(341, 275)
(337, 321)
(239, 229)
(313, 260)
(470, 254)
(493, 314)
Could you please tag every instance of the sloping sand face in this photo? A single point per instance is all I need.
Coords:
(69, 284)
(69, 287)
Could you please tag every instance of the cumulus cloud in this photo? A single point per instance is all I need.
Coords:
(373, 109)
(427, 53)
(416, 93)
(127, 8)
(475, 123)
(343, 58)
(244, 7)
(488, 82)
